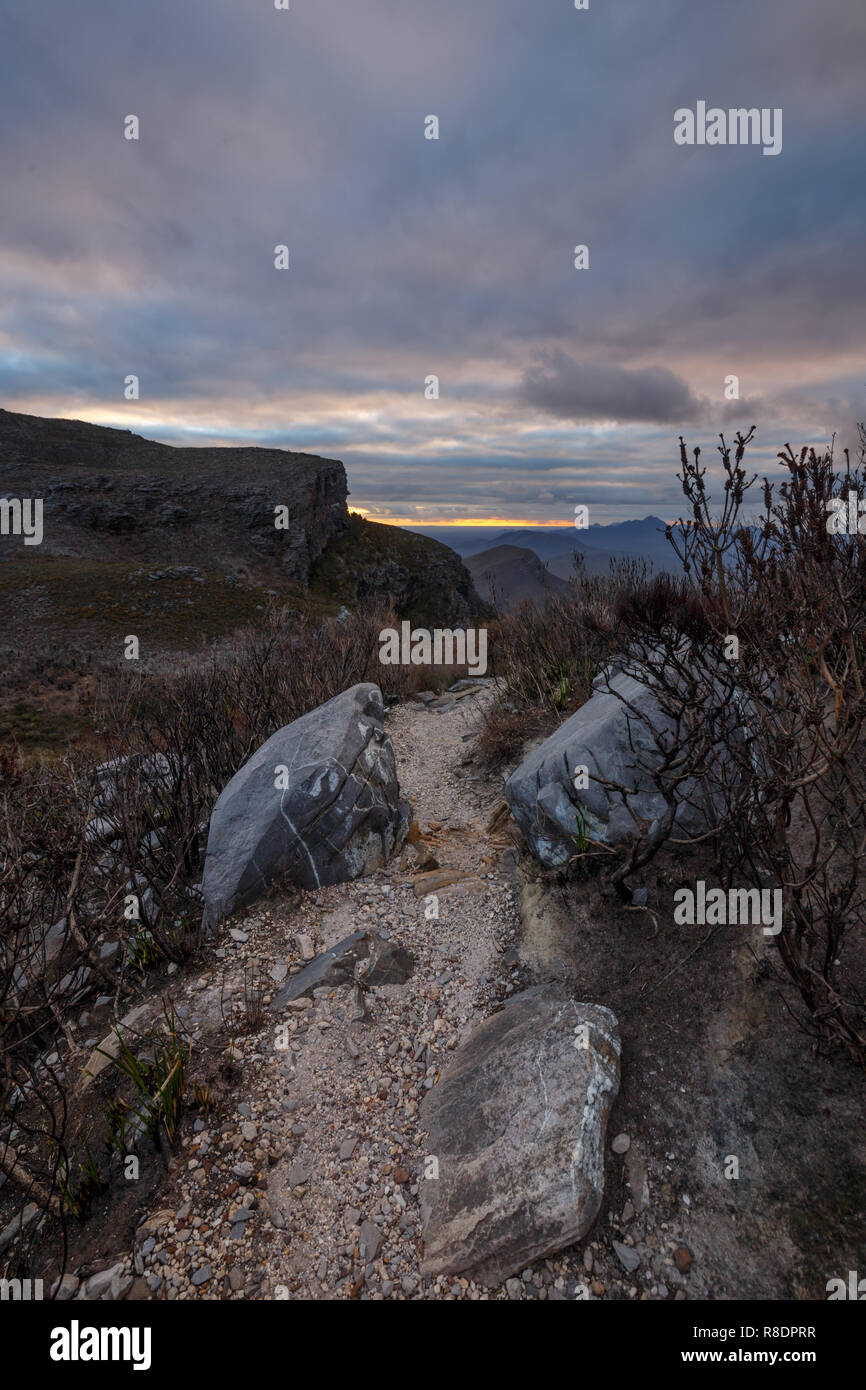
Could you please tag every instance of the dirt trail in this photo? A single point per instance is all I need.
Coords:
(302, 1179)
(320, 1141)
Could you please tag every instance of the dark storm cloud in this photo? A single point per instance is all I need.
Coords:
(411, 257)
(592, 391)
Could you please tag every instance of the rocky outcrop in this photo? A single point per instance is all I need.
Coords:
(318, 801)
(428, 582)
(614, 736)
(516, 1127)
(109, 494)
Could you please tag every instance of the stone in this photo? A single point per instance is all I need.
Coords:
(517, 1123)
(65, 1288)
(109, 1049)
(621, 1144)
(613, 742)
(339, 816)
(101, 1282)
(19, 1223)
(201, 1276)
(364, 956)
(431, 882)
(306, 947)
(156, 1223)
(370, 1241)
(627, 1256)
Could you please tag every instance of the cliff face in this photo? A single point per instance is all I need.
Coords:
(109, 495)
(180, 544)
(428, 581)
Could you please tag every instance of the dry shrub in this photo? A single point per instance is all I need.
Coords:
(787, 796)
(546, 656)
(174, 735)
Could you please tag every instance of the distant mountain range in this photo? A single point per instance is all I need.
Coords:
(555, 546)
(598, 545)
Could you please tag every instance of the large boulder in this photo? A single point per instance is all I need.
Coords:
(334, 814)
(614, 736)
(516, 1126)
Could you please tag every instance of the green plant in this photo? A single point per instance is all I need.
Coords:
(143, 951)
(76, 1194)
(159, 1083)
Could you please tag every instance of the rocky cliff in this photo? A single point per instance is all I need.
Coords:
(427, 580)
(110, 495)
(180, 544)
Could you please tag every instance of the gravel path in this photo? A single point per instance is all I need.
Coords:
(308, 1185)
(301, 1179)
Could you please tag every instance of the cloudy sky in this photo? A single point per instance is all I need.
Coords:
(454, 257)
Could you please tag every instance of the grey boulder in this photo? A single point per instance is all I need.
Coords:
(318, 801)
(614, 735)
(517, 1127)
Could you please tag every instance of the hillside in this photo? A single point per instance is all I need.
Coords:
(184, 540)
(179, 547)
(109, 495)
(428, 582)
(507, 574)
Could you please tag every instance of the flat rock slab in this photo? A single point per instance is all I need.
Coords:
(126, 1029)
(431, 882)
(364, 955)
(517, 1126)
(318, 801)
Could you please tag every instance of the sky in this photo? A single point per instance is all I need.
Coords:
(412, 257)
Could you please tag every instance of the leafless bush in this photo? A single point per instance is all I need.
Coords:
(759, 676)
(117, 851)
(546, 655)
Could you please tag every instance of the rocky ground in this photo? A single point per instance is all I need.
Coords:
(301, 1179)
